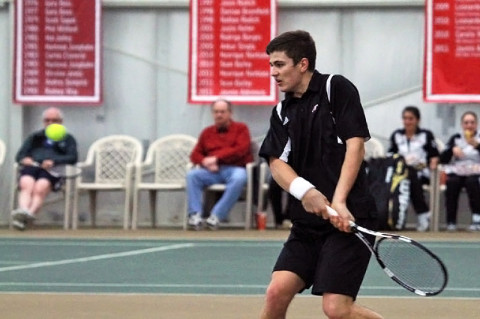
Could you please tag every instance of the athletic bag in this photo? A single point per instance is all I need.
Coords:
(390, 186)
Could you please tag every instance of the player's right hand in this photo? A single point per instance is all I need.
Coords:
(316, 203)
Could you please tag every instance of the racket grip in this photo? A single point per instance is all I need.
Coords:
(331, 211)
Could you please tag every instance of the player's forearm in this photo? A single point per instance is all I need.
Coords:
(351, 165)
(282, 173)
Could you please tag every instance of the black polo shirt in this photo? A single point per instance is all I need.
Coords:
(309, 134)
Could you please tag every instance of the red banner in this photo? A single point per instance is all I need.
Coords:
(227, 51)
(452, 51)
(57, 52)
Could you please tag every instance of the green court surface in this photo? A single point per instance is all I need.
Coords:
(189, 266)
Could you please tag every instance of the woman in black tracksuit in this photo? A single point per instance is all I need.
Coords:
(418, 147)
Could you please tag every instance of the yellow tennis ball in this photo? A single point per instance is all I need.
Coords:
(56, 132)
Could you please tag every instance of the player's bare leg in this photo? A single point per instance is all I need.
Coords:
(337, 306)
(283, 286)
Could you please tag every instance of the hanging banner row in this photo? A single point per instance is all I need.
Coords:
(227, 51)
(452, 51)
(57, 52)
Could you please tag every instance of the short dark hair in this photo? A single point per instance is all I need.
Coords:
(412, 109)
(297, 45)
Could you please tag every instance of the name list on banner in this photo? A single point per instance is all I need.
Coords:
(227, 51)
(452, 54)
(57, 52)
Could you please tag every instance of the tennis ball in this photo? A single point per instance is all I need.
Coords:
(56, 132)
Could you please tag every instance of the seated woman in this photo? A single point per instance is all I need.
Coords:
(462, 152)
(417, 146)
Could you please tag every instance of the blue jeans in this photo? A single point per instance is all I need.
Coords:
(198, 179)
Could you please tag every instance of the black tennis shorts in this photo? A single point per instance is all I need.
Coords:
(38, 172)
(330, 261)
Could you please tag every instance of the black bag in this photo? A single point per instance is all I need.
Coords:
(390, 186)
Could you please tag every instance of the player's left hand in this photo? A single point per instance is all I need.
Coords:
(342, 221)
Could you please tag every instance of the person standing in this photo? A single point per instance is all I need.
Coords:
(315, 149)
(221, 155)
(36, 156)
(419, 149)
(462, 153)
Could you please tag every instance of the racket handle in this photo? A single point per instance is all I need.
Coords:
(331, 211)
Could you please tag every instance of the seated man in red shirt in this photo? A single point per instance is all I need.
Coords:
(221, 154)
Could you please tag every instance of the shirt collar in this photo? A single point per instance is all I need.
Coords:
(314, 85)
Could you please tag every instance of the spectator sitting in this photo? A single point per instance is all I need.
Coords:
(462, 152)
(418, 148)
(221, 153)
(36, 155)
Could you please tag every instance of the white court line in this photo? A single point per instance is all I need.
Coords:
(115, 243)
(97, 257)
(205, 243)
(131, 285)
(193, 286)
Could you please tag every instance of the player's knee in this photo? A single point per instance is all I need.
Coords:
(277, 294)
(336, 310)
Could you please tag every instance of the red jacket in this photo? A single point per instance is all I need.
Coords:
(231, 147)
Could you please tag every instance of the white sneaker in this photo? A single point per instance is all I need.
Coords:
(195, 221)
(423, 221)
(474, 227)
(476, 219)
(285, 225)
(18, 225)
(22, 215)
(213, 222)
(451, 227)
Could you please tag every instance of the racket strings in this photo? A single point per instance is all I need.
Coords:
(411, 264)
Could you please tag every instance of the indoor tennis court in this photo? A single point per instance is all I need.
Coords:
(105, 273)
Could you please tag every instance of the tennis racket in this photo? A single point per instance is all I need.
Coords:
(405, 261)
(62, 170)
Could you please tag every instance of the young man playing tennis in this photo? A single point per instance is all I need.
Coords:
(315, 148)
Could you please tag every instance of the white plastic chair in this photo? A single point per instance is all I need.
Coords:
(113, 159)
(263, 183)
(373, 149)
(3, 150)
(168, 160)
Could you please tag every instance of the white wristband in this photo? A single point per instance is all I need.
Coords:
(299, 186)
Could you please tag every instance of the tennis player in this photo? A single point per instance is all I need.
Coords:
(315, 149)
